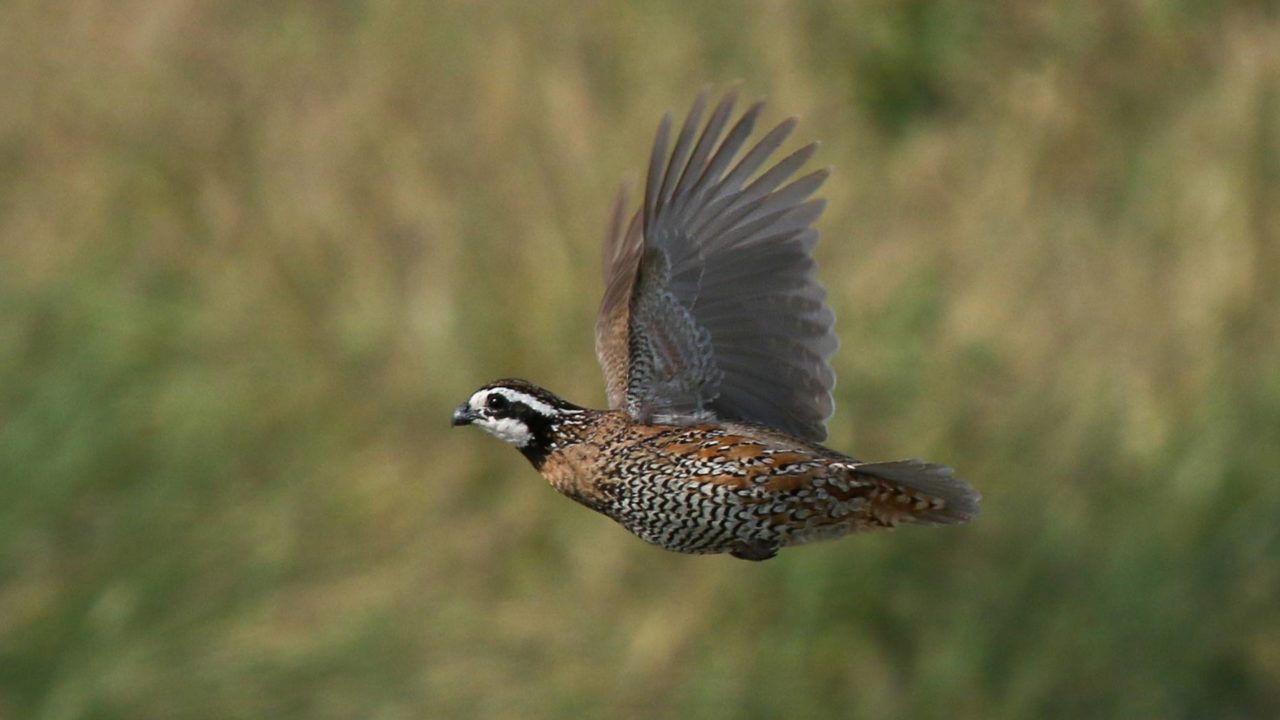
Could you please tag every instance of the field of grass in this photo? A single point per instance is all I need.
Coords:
(252, 254)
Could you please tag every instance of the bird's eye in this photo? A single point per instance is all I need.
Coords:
(496, 402)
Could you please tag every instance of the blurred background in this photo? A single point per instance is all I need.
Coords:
(252, 254)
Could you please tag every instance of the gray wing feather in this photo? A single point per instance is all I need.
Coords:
(653, 184)
(680, 155)
(706, 143)
(725, 319)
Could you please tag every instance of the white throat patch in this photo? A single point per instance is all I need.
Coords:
(508, 430)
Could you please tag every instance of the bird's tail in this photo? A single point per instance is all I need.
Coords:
(920, 492)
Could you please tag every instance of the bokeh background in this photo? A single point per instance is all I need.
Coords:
(252, 254)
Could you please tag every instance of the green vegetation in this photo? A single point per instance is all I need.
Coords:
(252, 254)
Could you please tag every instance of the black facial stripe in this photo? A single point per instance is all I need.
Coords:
(517, 410)
(541, 429)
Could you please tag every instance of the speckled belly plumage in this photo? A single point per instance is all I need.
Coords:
(715, 489)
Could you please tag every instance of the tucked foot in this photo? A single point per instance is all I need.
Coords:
(755, 550)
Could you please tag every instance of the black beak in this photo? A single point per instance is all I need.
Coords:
(462, 415)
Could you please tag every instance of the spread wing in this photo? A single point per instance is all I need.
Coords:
(711, 308)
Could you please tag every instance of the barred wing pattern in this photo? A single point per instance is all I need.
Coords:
(711, 308)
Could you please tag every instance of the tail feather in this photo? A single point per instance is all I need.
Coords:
(957, 501)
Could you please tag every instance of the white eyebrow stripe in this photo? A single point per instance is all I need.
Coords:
(477, 401)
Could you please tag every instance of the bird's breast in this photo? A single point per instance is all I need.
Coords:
(576, 472)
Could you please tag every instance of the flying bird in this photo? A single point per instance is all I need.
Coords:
(714, 337)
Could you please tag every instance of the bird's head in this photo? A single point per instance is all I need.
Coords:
(517, 412)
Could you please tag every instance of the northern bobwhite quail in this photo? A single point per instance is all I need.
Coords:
(714, 337)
